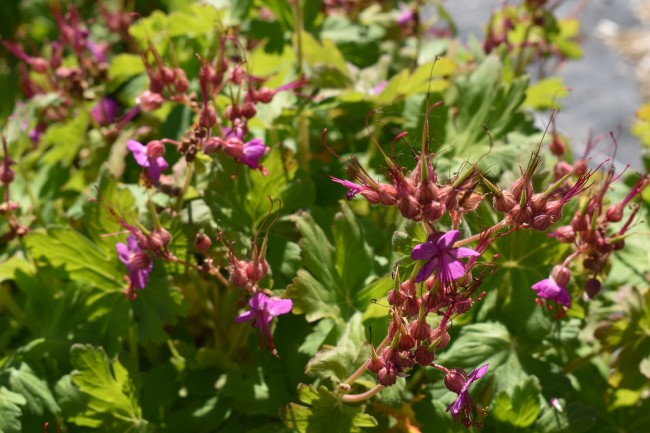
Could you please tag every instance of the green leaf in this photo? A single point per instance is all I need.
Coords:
(65, 139)
(325, 413)
(522, 408)
(327, 64)
(575, 418)
(83, 260)
(10, 411)
(38, 395)
(353, 254)
(544, 94)
(340, 361)
(112, 405)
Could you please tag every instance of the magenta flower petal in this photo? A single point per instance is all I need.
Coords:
(448, 239)
(353, 188)
(137, 262)
(262, 311)
(549, 289)
(246, 316)
(440, 254)
(253, 152)
(280, 306)
(139, 152)
(424, 251)
(105, 111)
(461, 252)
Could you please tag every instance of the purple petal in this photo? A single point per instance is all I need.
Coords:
(424, 251)
(156, 167)
(246, 316)
(140, 277)
(448, 239)
(258, 301)
(563, 297)
(105, 111)
(451, 270)
(426, 270)
(139, 152)
(275, 307)
(132, 244)
(123, 252)
(353, 188)
(253, 151)
(463, 252)
(477, 374)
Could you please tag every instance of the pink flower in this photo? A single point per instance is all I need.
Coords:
(550, 289)
(149, 159)
(253, 152)
(262, 311)
(441, 256)
(138, 263)
(353, 188)
(105, 111)
(463, 405)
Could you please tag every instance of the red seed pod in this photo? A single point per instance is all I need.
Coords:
(7, 175)
(150, 101)
(370, 195)
(248, 110)
(433, 211)
(561, 169)
(579, 222)
(265, 95)
(393, 328)
(408, 287)
(614, 213)
(156, 83)
(540, 222)
(424, 356)
(376, 364)
(409, 207)
(580, 167)
(159, 239)
(238, 275)
(412, 306)
(232, 112)
(237, 75)
(520, 216)
(202, 242)
(425, 192)
(618, 245)
(180, 80)
(554, 210)
(207, 118)
(396, 298)
(406, 342)
(520, 185)
(455, 379)
(403, 360)
(387, 194)
(538, 202)
(556, 146)
(420, 330)
(565, 234)
(167, 75)
(155, 149)
(470, 202)
(257, 270)
(592, 287)
(505, 203)
(441, 336)
(387, 376)
(561, 275)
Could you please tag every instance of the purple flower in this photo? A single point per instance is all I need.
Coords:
(138, 263)
(155, 165)
(253, 152)
(379, 87)
(405, 17)
(550, 289)
(105, 111)
(463, 405)
(441, 256)
(353, 188)
(262, 310)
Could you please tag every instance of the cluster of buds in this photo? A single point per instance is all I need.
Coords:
(69, 83)
(417, 194)
(525, 208)
(7, 207)
(590, 230)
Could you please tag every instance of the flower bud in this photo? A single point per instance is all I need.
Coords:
(387, 376)
(202, 242)
(408, 287)
(433, 211)
(256, 270)
(470, 202)
(375, 364)
(412, 306)
(554, 210)
(538, 202)
(455, 379)
(505, 203)
(167, 75)
(237, 75)
(159, 239)
(38, 64)
(579, 222)
(592, 287)
(520, 216)
(556, 146)
(387, 194)
(420, 330)
(424, 356)
(7, 175)
(150, 101)
(207, 118)
(140, 260)
(614, 213)
(409, 207)
(565, 234)
(265, 95)
(540, 222)
(396, 298)
(561, 169)
(155, 149)
(561, 275)
(406, 342)
(519, 186)
(403, 360)
(180, 80)
(211, 145)
(618, 245)
(442, 337)
(238, 275)
(248, 110)
(232, 113)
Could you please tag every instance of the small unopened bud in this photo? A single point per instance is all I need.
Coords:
(207, 118)
(561, 275)
(561, 169)
(565, 234)
(406, 342)
(420, 330)
(520, 216)
(592, 287)
(375, 364)
(155, 149)
(540, 222)
(202, 242)
(248, 110)
(159, 239)
(256, 270)
(455, 379)
(614, 213)
(519, 186)
(579, 222)
(232, 112)
(409, 207)
(440, 336)
(408, 287)
(505, 203)
(387, 376)
(396, 298)
(618, 245)
(238, 275)
(38, 64)
(150, 101)
(167, 75)
(7, 175)
(387, 195)
(557, 146)
(424, 356)
(580, 167)
(538, 202)
(180, 80)
(237, 75)
(412, 306)
(265, 95)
